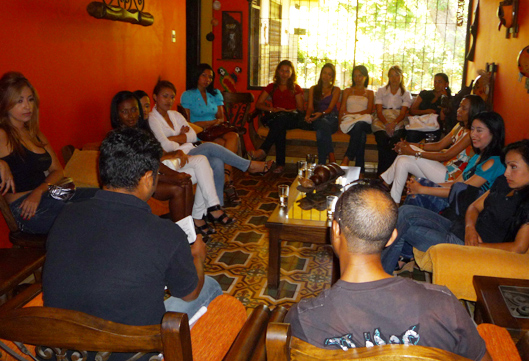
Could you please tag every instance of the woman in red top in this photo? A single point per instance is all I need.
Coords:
(287, 102)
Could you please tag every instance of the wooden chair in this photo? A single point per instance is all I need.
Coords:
(17, 237)
(281, 346)
(64, 329)
(237, 106)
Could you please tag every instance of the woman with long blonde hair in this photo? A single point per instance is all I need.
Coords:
(28, 163)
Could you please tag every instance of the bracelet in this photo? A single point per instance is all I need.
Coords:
(421, 145)
(418, 155)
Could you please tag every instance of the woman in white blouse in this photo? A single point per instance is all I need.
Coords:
(392, 103)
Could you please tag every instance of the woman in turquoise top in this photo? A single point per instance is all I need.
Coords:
(488, 138)
(204, 107)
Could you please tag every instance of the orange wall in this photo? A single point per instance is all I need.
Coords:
(510, 96)
(77, 63)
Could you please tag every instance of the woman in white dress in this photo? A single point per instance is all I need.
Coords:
(356, 116)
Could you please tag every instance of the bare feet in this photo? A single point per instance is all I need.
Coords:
(345, 162)
(332, 158)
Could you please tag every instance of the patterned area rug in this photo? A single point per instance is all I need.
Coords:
(238, 253)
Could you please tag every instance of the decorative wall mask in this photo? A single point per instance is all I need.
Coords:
(130, 11)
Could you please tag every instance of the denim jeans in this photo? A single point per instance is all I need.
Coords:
(433, 203)
(357, 143)
(421, 229)
(48, 209)
(325, 126)
(218, 156)
(210, 290)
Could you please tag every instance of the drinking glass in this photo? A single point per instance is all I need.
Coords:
(282, 190)
(302, 165)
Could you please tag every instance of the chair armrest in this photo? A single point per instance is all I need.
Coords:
(278, 315)
(245, 343)
(22, 298)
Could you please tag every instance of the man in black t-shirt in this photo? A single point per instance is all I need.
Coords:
(367, 307)
(110, 257)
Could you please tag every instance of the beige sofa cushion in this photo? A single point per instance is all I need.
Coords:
(82, 167)
(454, 266)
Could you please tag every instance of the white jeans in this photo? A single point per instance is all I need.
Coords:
(404, 164)
(202, 175)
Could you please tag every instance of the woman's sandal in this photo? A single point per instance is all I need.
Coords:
(222, 219)
(253, 156)
(267, 166)
(231, 193)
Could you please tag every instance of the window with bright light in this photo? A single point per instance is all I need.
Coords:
(423, 37)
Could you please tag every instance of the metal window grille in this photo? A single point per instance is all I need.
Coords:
(423, 37)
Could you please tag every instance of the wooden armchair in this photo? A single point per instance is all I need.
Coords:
(281, 346)
(237, 106)
(17, 237)
(63, 330)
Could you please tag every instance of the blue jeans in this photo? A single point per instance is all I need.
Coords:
(421, 229)
(357, 144)
(325, 126)
(433, 203)
(210, 290)
(48, 209)
(218, 156)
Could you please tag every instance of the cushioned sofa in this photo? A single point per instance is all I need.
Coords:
(454, 266)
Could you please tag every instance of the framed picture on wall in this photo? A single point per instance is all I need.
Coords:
(232, 35)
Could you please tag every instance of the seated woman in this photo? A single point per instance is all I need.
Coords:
(429, 160)
(487, 134)
(356, 116)
(392, 103)
(498, 219)
(322, 112)
(204, 107)
(175, 187)
(172, 131)
(286, 109)
(429, 102)
(28, 163)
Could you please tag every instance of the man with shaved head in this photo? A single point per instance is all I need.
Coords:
(367, 307)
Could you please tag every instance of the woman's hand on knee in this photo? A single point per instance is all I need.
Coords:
(30, 204)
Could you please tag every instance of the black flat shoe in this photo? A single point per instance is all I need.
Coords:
(222, 219)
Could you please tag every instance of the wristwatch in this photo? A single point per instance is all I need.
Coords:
(322, 113)
(418, 155)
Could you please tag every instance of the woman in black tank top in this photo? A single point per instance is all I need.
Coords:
(26, 156)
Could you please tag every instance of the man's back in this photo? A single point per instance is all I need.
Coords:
(392, 310)
(111, 257)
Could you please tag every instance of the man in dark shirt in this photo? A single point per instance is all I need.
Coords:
(368, 307)
(110, 257)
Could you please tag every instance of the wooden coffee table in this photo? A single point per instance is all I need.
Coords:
(295, 224)
(492, 306)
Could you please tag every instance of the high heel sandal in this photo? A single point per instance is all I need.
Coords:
(267, 166)
(222, 219)
(205, 230)
(231, 193)
(229, 189)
